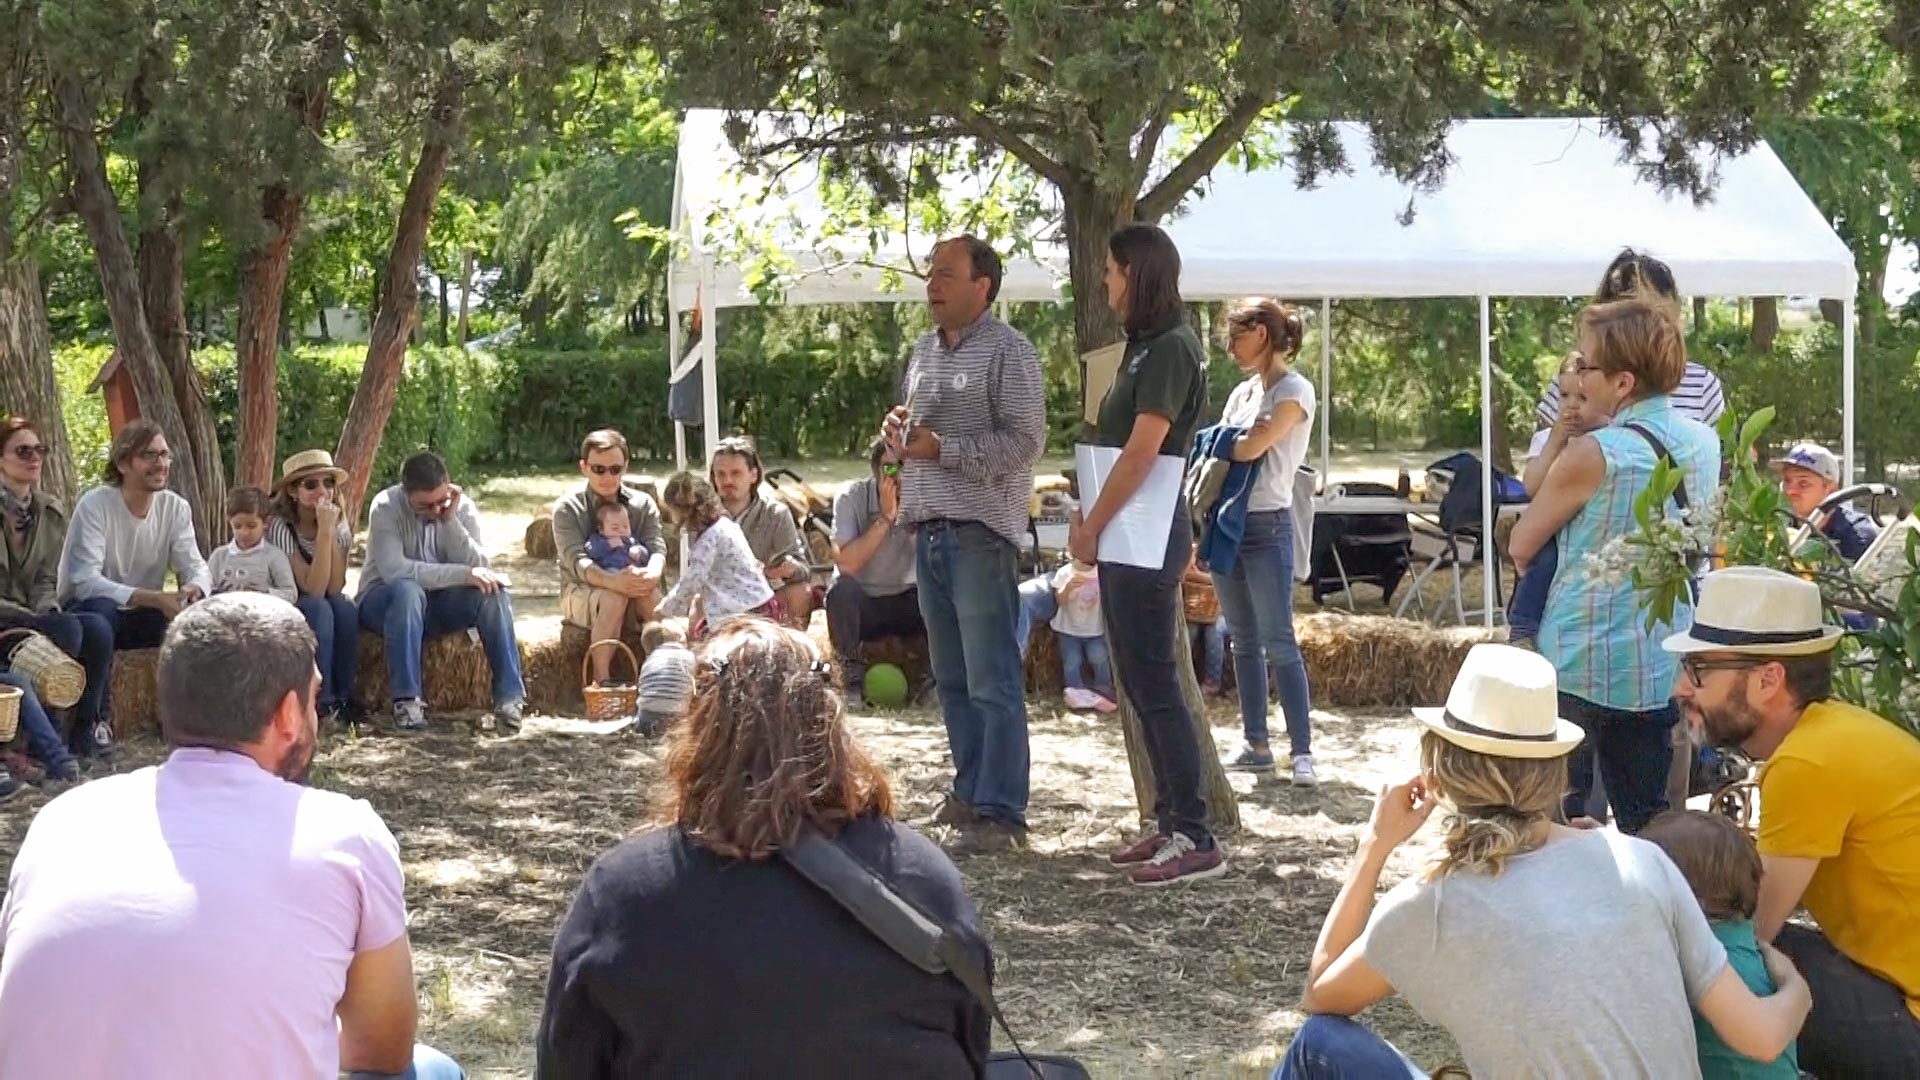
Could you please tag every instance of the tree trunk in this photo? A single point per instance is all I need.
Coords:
(163, 271)
(1833, 312)
(27, 386)
(466, 293)
(1766, 324)
(320, 309)
(1091, 217)
(1699, 312)
(263, 290)
(99, 212)
(400, 296)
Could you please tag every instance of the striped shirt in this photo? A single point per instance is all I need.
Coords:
(666, 679)
(1699, 397)
(282, 534)
(1595, 632)
(986, 400)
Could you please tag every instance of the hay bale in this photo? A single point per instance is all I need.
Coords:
(538, 541)
(1043, 669)
(1359, 661)
(455, 676)
(133, 697)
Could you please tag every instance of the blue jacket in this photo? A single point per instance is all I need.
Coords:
(1226, 521)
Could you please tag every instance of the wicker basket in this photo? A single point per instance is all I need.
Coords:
(610, 702)
(1202, 602)
(9, 712)
(58, 679)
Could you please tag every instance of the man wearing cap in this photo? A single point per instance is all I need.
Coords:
(607, 603)
(1839, 813)
(1809, 474)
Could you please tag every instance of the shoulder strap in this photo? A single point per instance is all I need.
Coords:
(894, 919)
(1660, 454)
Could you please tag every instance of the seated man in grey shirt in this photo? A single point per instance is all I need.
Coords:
(873, 594)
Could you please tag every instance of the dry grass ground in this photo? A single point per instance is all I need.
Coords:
(1192, 981)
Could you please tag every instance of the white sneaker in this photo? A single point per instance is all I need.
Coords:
(1303, 774)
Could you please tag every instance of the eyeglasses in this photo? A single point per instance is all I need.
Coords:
(1695, 667)
(34, 452)
(607, 470)
(315, 483)
(155, 457)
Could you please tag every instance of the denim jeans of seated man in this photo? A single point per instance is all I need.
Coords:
(406, 615)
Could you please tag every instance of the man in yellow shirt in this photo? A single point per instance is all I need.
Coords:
(1839, 813)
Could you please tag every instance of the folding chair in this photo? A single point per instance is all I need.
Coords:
(1457, 543)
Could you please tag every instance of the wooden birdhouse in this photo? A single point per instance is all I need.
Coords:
(115, 383)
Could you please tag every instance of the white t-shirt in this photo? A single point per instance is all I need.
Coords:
(1539, 444)
(1249, 403)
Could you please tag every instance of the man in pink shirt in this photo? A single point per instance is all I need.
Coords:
(213, 916)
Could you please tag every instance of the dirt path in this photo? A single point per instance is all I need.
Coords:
(1194, 981)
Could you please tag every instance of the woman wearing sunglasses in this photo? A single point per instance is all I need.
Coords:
(35, 528)
(310, 527)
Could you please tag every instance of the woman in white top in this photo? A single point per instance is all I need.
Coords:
(1275, 405)
(721, 573)
(1544, 950)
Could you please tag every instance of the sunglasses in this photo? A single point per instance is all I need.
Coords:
(315, 483)
(1695, 667)
(607, 470)
(34, 452)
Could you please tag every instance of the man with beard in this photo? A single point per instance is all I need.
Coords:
(1839, 813)
(213, 916)
(772, 533)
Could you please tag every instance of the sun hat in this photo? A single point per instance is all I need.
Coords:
(1504, 703)
(1812, 457)
(306, 463)
(1754, 609)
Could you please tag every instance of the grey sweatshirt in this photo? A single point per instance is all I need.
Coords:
(400, 547)
(260, 568)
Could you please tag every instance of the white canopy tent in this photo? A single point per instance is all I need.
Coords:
(1533, 207)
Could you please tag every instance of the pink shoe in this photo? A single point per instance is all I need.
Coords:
(1080, 700)
(1104, 704)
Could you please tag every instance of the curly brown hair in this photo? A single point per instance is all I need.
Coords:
(763, 749)
(690, 502)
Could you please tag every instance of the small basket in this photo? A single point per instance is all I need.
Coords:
(1201, 601)
(58, 679)
(610, 702)
(9, 712)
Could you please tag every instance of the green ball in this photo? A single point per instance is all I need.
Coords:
(886, 686)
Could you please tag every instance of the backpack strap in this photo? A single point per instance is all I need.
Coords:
(1660, 454)
(894, 919)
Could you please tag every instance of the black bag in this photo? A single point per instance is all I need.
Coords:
(925, 943)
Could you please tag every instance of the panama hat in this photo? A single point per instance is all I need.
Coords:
(304, 464)
(1752, 609)
(1504, 703)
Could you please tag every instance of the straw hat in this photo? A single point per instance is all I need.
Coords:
(305, 464)
(1504, 703)
(1752, 609)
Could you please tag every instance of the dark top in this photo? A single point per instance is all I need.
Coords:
(675, 962)
(1163, 372)
(1851, 531)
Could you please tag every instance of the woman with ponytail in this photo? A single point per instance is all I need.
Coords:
(1542, 949)
(1274, 409)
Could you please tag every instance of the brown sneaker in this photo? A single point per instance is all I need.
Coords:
(1140, 850)
(954, 812)
(1179, 859)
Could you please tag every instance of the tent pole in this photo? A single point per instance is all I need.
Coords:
(674, 336)
(1847, 329)
(1489, 563)
(709, 360)
(1326, 392)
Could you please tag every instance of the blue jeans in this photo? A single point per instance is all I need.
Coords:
(1213, 650)
(1079, 653)
(969, 597)
(43, 739)
(1634, 751)
(1529, 603)
(406, 614)
(428, 1064)
(1142, 605)
(336, 646)
(1257, 600)
(1341, 1048)
(87, 637)
(1038, 604)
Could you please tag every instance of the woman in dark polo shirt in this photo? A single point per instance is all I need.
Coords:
(1157, 400)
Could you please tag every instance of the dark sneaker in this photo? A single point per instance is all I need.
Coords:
(954, 812)
(509, 714)
(9, 787)
(1180, 859)
(410, 716)
(60, 778)
(1252, 760)
(990, 837)
(1140, 850)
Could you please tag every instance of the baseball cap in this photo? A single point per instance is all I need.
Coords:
(1814, 458)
